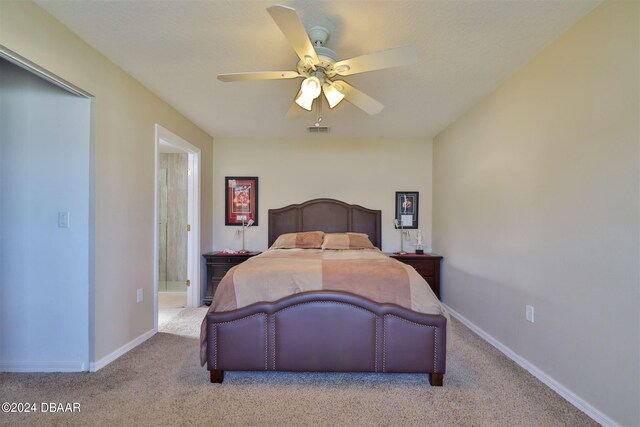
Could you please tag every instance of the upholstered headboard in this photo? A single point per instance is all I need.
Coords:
(328, 215)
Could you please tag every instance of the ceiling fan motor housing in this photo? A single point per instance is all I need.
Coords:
(318, 36)
(327, 59)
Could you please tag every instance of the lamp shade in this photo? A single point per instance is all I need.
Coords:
(310, 88)
(333, 95)
(305, 101)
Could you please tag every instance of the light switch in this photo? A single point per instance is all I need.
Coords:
(529, 313)
(63, 219)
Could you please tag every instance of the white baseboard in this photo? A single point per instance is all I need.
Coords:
(66, 366)
(570, 396)
(95, 366)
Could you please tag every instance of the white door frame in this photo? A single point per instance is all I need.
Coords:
(193, 237)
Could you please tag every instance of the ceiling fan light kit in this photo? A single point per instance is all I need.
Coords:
(332, 93)
(310, 89)
(319, 65)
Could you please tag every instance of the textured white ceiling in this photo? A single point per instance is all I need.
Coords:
(176, 49)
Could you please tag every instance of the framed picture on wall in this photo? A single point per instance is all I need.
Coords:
(407, 208)
(240, 200)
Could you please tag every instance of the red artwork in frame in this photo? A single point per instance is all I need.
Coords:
(240, 199)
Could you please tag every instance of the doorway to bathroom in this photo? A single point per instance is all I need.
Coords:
(173, 225)
(177, 225)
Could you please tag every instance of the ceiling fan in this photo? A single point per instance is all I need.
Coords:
(320, 68)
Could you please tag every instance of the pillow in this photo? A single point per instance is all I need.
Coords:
(304, 240)
(347, 241)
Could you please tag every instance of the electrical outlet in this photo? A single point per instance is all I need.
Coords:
(139, 295)
(530, 314)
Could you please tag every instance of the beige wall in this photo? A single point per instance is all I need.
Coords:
(536, 201)
(125, 114)
(364, 172)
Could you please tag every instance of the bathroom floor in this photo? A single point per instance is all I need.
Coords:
(172, 286)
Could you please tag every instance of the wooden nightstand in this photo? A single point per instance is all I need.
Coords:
(427, 265)
(218, 264)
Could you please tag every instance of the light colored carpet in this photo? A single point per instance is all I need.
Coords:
(166, 314)
(161, 383)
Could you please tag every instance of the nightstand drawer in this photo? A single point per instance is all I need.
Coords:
(424, 268)
(227, 260)
(218, 271)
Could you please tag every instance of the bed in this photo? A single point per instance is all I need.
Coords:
(325, 330)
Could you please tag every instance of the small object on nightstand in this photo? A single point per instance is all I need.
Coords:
(427, 265)
(419, 250)
(218, 263)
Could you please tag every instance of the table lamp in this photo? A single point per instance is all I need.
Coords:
(401, 225)
(245, 226)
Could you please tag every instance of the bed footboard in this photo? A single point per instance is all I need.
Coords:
(326, 332)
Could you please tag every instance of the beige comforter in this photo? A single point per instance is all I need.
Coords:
(278, 273)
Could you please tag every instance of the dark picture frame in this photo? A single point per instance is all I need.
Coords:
(407, 203)
(240, 199)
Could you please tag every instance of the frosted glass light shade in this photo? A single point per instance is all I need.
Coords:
(333, 95)
(310, 88)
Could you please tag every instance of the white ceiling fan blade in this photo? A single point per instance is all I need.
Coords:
(261, 75)
(291, 26)
(295, 111)
(358, 98)
(389, 58)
